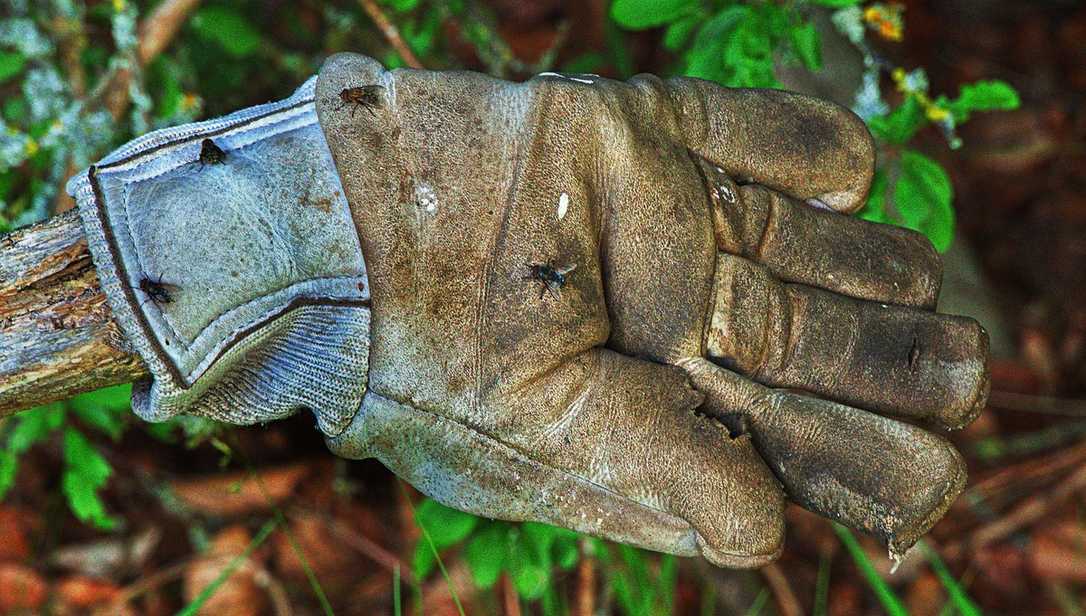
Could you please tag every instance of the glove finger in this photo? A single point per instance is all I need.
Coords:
(604, 444)
(891, 359)
(799, 243)
(634, 431)
(803, 146)
(875, 474)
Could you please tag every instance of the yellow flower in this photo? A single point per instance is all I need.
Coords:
(189, 101)
(30, 147)
(936, 114)
(890, 31)
(118, 6)
(886, 20)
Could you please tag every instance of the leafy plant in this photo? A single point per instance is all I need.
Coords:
(740, 44)
(529, 553)
(86, 471)
(534, 555)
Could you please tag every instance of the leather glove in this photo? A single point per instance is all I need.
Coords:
(571, 300)
(678, 297)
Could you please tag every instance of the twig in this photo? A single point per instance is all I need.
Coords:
(586, 581)
(150, 582)
(509, 596)
(156, 32)
(276, 592)
(391, 33)
(57, 334)
(366, 546)
(782, 590)
(73, 41)
(1032, 472)
(1030, 511)
(1029, 403)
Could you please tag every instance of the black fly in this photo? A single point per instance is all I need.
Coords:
(157, 291)
(551, 277)
(211, 154)
(361, 96)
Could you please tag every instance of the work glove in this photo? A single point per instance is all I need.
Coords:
(630, 309)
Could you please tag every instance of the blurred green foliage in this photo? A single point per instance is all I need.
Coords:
(74, 425)
(535, 556)
(86, 471)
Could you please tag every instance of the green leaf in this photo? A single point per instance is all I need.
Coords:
(589, 62)
(16, 110)
(748, 52)
(445, 525)
(565, 552)
(34, 426)
(11, 64)
(166, 85)
(899, 125)
(86, 471)
(486, 554)
(923, 197)
(875, 208)
(704, 59)
(836, 4)
(529, 576)
(423, 561)
(643, 14)
(991, 95)
(229, 28)
(104, 409)
(103, 419)
(401, 5)
(679, 31)
(420, 34)
(9, 467)
(538, 538)
(808, 45)
(618, 50)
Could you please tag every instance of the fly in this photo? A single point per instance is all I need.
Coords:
(157, 291)
(367, 97)
(551, 277)
(211, 154)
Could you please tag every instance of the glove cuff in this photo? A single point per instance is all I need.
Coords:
(231, 262)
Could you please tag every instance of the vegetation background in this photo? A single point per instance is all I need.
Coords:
(977, 106)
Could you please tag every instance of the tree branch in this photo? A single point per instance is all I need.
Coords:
(57, 334)
(391, 33)
(156, 32)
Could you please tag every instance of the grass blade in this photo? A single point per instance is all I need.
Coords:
(759, 603)
(958, 596)
(822, 585)
(281, 518)
(205, 594)
(433, 548)
(890, 602)
(397, 609)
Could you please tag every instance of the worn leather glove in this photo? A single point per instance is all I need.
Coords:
(690, 298)
(588, 303)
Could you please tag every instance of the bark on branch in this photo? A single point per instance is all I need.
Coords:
(57, 334)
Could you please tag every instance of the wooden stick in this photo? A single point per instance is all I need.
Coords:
(57, 334)
(156, 32)
(787, 602)
(392, 35)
